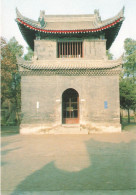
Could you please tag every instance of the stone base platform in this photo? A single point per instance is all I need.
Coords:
(69, 129)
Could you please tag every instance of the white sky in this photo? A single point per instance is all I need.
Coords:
(107, 8)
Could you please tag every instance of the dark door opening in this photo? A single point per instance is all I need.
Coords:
(70, 106)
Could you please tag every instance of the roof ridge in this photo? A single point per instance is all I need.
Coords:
(97, 21)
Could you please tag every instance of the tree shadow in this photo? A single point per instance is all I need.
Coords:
(5, 143)
(3, 163)
(9, 130)
(112, 167)
(4, 152)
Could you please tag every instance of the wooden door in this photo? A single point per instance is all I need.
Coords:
(70, 107)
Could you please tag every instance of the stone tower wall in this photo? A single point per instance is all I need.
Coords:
(94, 49)
(42, 99)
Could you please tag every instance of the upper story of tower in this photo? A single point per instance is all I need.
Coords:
(70, 36)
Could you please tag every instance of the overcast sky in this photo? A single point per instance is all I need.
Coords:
(107, 9)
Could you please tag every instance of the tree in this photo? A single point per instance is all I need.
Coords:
(127, 95)
(29, 54)
(130, 58)
(10, 79)
(15, 48)
(109, 54)
(127, 81)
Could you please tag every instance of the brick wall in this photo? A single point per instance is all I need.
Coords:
(98, 98)
(94, 49)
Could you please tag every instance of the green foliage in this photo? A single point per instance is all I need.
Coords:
(130, 58)
(10, 79)
(128, 79)
(110, 55)
(129, 46)
(15, 48)
(29, 54)
(127, 94)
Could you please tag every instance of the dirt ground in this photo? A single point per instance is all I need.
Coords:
(96, 164)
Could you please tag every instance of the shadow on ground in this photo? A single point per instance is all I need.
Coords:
(9, 150)
(129, 127)
(112, 167)
(9, 130)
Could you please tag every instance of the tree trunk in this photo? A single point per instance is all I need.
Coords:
(120, 117)
(128, 116)
(134, 115)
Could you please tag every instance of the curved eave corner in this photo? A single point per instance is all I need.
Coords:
(28, 35)
(29, 28)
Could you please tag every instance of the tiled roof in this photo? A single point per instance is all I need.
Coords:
(69, 64)
(58, 23)
(79, 26)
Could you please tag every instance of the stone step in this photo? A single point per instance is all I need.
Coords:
(70, 129)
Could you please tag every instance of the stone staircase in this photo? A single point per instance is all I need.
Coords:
(70, 129)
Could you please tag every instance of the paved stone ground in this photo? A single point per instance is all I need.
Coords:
(97, 164)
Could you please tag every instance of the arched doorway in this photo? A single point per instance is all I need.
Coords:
(70, 106)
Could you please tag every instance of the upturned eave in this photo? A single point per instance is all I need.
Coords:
(110, 28)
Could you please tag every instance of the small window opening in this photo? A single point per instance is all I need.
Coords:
(70, 49)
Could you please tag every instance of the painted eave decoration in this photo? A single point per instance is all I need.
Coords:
(30, 29)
